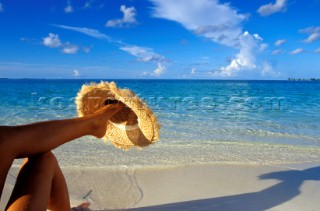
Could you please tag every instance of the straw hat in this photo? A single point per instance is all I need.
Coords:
(134, 125)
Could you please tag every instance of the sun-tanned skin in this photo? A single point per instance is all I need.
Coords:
(40, 183)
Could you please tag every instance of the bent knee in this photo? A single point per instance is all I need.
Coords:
(5, 132)
(7, 140)
(47, 158)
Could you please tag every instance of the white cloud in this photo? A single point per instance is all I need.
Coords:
(70, 49)
(220, 23)
(317, 50)
(87, 49)
(268, 9)
(88, 4)
(194, 71)
(143, 54)
(208, 18)
(157, 72)
(1, 7)
(87, 31)
(92, 4)
(263, 47)
(312, 37)
(310, 30)
(246, 58)
(160, 69)
(52, 41)
(280, 42)
(129, 14)
(128, 19)
(296, 51)
(267, 70)
(276, 52)
(76, 73)
(313, 32)
(68, 8)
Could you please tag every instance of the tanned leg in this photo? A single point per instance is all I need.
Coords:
(40, 182)
(59, 195)
(29, 140)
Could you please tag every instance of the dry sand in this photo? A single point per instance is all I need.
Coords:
(286, 187)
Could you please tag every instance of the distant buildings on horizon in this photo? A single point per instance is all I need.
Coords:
(303, 79)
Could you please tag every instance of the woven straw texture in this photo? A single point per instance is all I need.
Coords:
(134, 125)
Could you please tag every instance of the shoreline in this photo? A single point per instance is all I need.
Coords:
(91, 153)
(206, 176)
(193, 187)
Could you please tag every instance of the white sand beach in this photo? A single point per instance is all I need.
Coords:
(209, 105)
(285, 187)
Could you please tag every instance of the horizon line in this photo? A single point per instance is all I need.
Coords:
(182, 79)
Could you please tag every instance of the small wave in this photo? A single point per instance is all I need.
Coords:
(180, 153)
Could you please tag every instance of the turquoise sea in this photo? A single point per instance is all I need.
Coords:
(198, 113)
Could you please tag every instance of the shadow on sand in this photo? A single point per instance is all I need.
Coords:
(285, 190)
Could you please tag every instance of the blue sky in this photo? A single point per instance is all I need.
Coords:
(165, 39)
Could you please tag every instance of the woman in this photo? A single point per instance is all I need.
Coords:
(40, 184)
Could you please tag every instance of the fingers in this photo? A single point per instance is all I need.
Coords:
(116, 108)
(111, 109)
(82, 207)
(113, 106)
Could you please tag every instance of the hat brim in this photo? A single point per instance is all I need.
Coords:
(124, 134)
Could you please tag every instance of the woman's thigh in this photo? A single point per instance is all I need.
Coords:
(34, 184)
(6, 160)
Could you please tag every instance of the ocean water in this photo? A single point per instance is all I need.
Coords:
(199, 113)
